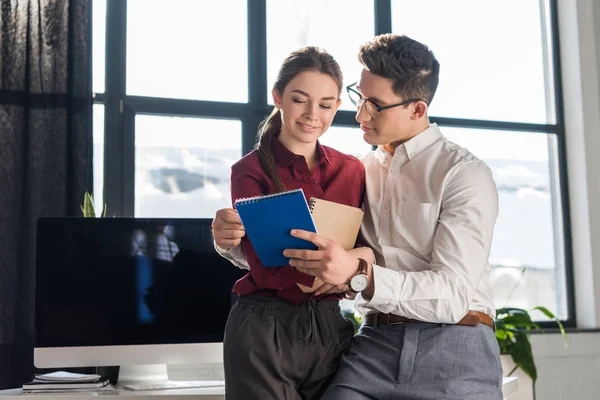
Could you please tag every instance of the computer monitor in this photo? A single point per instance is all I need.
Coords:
(126, 291)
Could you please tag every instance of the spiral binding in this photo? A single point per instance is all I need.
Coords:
(248, 200)
(311, 204)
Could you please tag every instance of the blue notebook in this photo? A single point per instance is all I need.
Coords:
(268, 221)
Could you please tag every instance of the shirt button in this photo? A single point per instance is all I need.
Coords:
(387, 206)
(307, 179)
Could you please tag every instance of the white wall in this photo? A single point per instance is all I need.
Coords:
(573, 373)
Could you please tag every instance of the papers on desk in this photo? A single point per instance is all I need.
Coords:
(61, 382)
(107, 388)
(63, 376)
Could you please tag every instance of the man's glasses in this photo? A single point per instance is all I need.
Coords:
(373, 108)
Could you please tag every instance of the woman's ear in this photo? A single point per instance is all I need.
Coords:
(276, 98)
(338, 104)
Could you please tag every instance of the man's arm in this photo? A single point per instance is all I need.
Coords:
(461, 248)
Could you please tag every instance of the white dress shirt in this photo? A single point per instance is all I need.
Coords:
(430, 211)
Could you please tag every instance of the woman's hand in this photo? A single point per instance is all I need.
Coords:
(228, 230)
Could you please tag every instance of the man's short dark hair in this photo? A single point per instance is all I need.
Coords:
(410, 65)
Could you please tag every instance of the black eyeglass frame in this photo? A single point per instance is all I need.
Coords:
(351, 88)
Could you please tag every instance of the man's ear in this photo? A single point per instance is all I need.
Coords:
(420, 110)
(276, 98)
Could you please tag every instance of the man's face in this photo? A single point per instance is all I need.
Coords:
(395, 125)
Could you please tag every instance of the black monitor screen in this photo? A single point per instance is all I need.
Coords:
(126, 281)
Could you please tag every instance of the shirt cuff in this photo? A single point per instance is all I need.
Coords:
(387, 285)
(236, 255)
(221, 250)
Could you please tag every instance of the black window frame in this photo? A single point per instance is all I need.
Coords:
(120, 111)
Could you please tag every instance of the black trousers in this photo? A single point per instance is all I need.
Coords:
(277, 350)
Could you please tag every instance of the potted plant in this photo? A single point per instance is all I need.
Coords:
(513, 329)
(88, 207)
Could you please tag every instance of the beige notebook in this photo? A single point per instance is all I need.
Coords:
(336, 221)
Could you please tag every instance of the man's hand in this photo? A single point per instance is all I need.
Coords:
(330, 263)
(227, 228)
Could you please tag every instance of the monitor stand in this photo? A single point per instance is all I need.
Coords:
(142, 373)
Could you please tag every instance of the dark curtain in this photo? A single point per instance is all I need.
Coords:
(45, 150)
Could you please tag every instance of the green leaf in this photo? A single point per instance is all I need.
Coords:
(88, 206)
(104, 211)
(548, 314)
(501, 334)
(356, 320)
(522, 355)
(511, 311)
(519, 320)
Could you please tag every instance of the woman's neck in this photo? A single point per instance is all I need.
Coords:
(307, 150)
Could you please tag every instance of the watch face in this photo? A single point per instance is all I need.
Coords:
(359, 282)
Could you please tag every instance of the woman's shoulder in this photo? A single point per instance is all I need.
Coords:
(249, 161)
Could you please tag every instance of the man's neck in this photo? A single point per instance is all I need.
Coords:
(391, 147)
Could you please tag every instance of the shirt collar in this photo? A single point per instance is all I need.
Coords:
(285, 157)
(417, 144)
(422, 141)
(323, 153)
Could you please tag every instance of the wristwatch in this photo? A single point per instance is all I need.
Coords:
(360, 281)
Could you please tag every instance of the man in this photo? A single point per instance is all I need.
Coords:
(430, 211)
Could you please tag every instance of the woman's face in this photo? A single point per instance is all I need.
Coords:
(308, 104)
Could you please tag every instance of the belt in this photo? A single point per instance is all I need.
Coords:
(473, 318)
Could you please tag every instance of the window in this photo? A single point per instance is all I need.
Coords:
(182, 165)
(98, 44)
(175, 51)
(527, 255)
(320, 23)
(98, 160)
(347, 140)
(180, 90)
(488, 72)
(502, 81)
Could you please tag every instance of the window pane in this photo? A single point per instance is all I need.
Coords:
(182, 165)
(493, 56)
(98, 159)
(347, 140)
(98, 44)
(338, 27)
(528, 232)
(187, 49)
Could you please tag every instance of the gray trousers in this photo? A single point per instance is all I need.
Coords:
(420, 361)
(277, 350)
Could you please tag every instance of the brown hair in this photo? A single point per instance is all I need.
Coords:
(410, 65)
(302, 60)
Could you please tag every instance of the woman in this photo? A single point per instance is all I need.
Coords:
(285, 335)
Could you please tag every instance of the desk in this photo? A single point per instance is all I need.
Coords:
(509, 387)
(214, 393)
